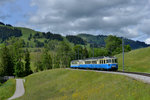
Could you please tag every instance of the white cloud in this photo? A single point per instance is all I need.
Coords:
(129, 18)
(147, 41)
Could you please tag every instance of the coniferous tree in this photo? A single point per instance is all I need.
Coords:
(17, 58)
(6, 62)
(85, 53)
(47, 60)
(27, 63)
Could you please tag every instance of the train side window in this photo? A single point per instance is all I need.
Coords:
(108, 60)
(99, 61)
(87, 62)
(112, 61)
(94, 62)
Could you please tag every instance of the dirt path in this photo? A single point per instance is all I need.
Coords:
(19, 89)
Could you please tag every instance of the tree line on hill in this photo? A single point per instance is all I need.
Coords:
(6, 32)
(99, 41)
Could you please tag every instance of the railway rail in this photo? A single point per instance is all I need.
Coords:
(138, 73)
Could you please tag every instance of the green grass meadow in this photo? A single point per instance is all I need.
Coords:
(136, 60)
(65, 84)
(7, 89)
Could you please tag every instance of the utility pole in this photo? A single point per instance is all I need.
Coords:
(78, 53)
(123, 54)
(93, 50)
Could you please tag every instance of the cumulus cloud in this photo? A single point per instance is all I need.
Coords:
(85, 15)
(147, 41)
(129, 18)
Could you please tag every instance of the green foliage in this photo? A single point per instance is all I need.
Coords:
(98, 52)
(78, 49)
(53, 45)
(19, 69)
(7, 65)
(38, 43)
(7, 89)
(7, 32)
(27, 63)
(12, 61)
(64, 54)
(52, 36)
(75, 39)
(47, 60)
(127, 48)
(85, 53)
(39, 66)
(113, 44)
(98, 40)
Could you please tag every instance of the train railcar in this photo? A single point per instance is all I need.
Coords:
(104, 63)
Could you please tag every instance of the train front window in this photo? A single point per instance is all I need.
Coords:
(74, 62)
(116, 61)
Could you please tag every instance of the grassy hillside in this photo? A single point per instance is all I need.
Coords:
(7, 89)
(136, 60)
(65, 84)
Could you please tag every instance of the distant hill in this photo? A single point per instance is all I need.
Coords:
(99, 41)
(34, 38)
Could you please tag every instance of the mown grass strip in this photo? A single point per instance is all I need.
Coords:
(7, 89)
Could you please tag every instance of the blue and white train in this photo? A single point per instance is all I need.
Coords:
(104, 63)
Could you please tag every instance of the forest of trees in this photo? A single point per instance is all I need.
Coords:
(15, 57)
(75, 39)
(6, 32)
(14, 60)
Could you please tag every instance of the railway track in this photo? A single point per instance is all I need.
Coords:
(138, 73)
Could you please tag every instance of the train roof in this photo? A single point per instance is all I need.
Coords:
(95, 58)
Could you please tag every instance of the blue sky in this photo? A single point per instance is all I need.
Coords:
(16, 11)
(128, 18)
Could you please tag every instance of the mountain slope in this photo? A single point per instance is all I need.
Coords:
(28, 35)
(136, 60)
(64, 84)
(100, 41)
